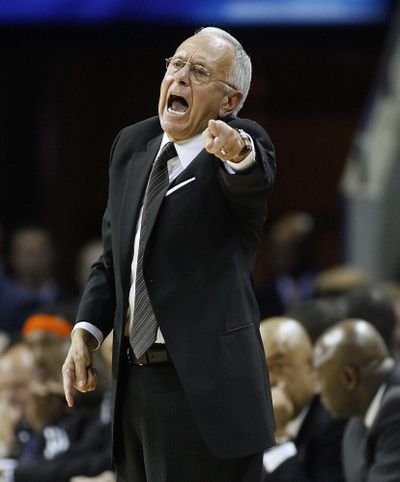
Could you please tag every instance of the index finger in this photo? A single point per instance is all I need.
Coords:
(68, 383)
(214, 126)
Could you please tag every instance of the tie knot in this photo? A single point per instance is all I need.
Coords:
(167, 152)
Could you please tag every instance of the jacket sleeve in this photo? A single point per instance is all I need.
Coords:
(98, 300)
(250, 188)
(384, 442)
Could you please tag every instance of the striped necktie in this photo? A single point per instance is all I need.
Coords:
(144, 326)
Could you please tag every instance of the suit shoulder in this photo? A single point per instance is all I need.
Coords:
(134, 138)
(390, 406)
(250, 126)
(254, 130)
(141, 131)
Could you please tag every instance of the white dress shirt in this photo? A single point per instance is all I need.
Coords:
(285, 449)
(374, 407)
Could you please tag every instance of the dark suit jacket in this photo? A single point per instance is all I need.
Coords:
(373, 455)
(198, 265)
(318, 445)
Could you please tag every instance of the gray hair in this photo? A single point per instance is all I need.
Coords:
(240, 75)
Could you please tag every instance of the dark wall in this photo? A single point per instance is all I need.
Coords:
(66, 92)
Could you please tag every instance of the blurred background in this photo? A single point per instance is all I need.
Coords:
(75, 72)
(326, 86)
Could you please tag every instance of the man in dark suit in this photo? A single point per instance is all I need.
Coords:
(309, 448)
(360, 380)
(192, 398)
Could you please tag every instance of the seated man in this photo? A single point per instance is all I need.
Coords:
(310, 439)
(48, 338)
(56, 444)
(359, 379)
(16, 370)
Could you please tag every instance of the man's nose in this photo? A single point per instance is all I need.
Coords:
(183, 75)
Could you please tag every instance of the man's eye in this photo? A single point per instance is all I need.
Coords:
(177, 64)
(199, 71)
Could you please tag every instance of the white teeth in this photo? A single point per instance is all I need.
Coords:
(170, 110)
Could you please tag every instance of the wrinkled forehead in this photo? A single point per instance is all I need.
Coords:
(279, 349)
(207, 49)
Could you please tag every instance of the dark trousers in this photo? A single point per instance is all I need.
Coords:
(160, 440)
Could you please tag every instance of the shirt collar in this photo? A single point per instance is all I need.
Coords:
(186, 150)
(293, 427)
(374, 406)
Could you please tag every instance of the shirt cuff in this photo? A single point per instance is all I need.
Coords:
(275, 456)
(7, 467)
(245, 163)
(91, 329)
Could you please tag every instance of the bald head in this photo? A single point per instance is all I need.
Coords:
(351, 341)
(289, 333)
(288, 350)
(352, 362)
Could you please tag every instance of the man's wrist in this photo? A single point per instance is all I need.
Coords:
(88, 338)
(92, 329)
(247, 143)
(245, 162)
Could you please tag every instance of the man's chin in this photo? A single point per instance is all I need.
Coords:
(176, 129)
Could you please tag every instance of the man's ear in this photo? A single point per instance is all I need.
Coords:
(231, 102)
(349, 377)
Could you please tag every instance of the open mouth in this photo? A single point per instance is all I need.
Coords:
(177, 104)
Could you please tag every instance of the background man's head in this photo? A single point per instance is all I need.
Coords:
(292, 243)
(318, 314)
(207, 78)
(88, 255)
(371, 304)
(48, 337)
(352, 361)
(288, 350)
(32, 257)
(16, 370)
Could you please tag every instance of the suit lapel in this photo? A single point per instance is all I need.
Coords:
(308, 421)
(198, 168)
(355, 450)
(139, 171)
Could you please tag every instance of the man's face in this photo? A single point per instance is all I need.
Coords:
(186, 107)
(291, 369)
(32, 255)
(333, 394)
(49, 351)
(15, 375)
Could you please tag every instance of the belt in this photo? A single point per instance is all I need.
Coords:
(157, 354)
